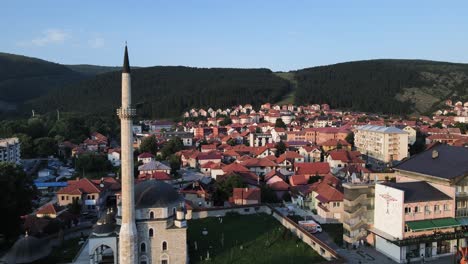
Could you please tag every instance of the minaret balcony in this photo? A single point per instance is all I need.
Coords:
(126, 113)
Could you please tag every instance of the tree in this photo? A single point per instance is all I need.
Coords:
(92, 163)
(231, 142)
(174, 162)
(267, 194)
(27, 146)
(280, 148)
(45, 147)
(149, 144)
(171, 147)
(437, 124)
(226, 121)
(17, 191)
(224, 188)
(279, 123)
(350, 138)
(258, 130)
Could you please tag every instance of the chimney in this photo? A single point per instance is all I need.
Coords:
(435, 154)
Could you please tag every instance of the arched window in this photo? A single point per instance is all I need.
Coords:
(151, 215)
(150, 232)
(143, 247)
(164, 245)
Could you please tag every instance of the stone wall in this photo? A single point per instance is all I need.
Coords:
(320, 247)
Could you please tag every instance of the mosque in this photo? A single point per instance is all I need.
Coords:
(149, 224)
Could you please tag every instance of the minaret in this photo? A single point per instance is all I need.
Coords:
(128, 234)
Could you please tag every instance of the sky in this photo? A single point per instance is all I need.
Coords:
(279, 35)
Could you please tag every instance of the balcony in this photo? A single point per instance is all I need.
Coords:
(355, 213)
(358, 200)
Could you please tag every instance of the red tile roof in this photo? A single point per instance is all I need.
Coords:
(279, 186)
(320, 168)
(145, 155)
(252, 194)
(80, 186)
(47, 209)
(298, 180)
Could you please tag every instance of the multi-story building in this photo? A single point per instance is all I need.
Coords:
(414, 221)
(358, 211)
(386, 144)
(10, 150)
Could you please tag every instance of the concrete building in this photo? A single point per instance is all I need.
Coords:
(410, 224)
(358, 211)
(10, 150)
(386, 144)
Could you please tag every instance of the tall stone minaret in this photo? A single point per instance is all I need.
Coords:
(128, 233)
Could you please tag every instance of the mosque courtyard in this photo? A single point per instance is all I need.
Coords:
(246, 239)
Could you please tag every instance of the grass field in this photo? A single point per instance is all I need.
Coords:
(246, 239)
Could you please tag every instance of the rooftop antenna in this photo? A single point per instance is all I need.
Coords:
(58, 115)
(33, 113)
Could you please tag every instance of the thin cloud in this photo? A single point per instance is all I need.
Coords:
(49, 36)
(96, 43)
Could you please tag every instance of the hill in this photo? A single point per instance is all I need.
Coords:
(168, 91)
(383, 86)
(92, 70)
(24, 78)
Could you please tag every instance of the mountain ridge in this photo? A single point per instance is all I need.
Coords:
(395, 86)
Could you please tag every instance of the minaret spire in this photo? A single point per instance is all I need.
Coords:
(127, 234)
(126, 64)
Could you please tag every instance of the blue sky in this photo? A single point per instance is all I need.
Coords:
(280, 35)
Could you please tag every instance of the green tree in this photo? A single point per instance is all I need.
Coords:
(350, 138)
(224, 188)
(174, 162)
(437, 124)
(149, 144)
(171, 147)
(226, 121)
(267, 194)
(92, 163)
(280, 148)
(46, 146)
(231, 142)
(27, 146)
(17, 192)
(279, 123)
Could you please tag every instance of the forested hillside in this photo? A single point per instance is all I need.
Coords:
(383, 86)
(168, 91)
(380, 86)
(23, 78)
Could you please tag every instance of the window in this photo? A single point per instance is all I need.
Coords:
(427, 209)
(416, 209)
(150, 232)
(446, 207)
(407, 228)
(143, 247)
(63, 197)
(164, 261)
(151, 216)
(436, 208)
(407, 210)
(164, 245)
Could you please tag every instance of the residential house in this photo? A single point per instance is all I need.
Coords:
(246, 196)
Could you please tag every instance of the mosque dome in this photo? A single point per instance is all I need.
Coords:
(155, 194)
(28, 249)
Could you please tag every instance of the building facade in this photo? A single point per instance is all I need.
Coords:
(10, 150)
(385, 144)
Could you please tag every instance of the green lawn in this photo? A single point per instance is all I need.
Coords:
(246, 239)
